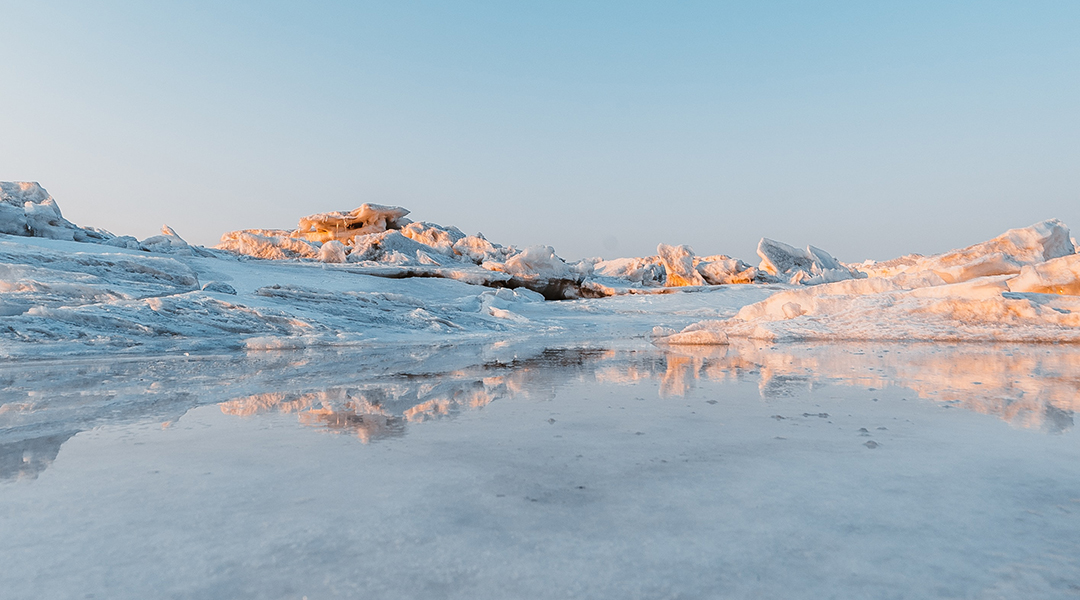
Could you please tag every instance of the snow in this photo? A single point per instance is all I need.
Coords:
(372, 275)
(809, 266)
(1003, 255)
(145, 381)
(26, 209)
(343, 227)
(1056, 276)
(678, 264)
(648, 270)
(1019, 287)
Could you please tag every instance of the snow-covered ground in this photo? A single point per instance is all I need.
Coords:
(372, 275)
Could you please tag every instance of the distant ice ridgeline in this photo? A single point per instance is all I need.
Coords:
(380, 237)
(76, 289)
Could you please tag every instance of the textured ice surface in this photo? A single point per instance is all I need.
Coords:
(373, 275)
(1005, 254)
(857, 470)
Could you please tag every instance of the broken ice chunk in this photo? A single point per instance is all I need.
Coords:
(332, 251)
(220, 287)
(344, 226)
(809, 266)
(678, 262)
(1058, 276)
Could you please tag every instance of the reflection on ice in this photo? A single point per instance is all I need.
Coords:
(27, 458)
(373, 411)
(381, 409)
(1029, 386)
(370, 396)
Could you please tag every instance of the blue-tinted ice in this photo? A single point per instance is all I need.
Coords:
(869, 471)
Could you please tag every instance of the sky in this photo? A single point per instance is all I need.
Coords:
(869, 129)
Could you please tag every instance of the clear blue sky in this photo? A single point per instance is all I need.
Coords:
(870, 129)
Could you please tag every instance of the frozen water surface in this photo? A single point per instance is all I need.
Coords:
(842, 471)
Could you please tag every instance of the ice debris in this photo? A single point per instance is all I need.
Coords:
(379, 240)
(220, 287)
(26, 209)
(1022, 286)
(809, 266)
(678, 264)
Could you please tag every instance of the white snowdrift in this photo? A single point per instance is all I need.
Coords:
(1022, 286)
(1004, 255)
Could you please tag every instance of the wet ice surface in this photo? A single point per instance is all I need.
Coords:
(871, 471)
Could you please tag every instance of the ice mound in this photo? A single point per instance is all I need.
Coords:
(380, 241)
(342, 226)
(26, 209)
(271, 244)
(983, 309)
(1022, 286)
(809, 266)
(672, 266)
(724, 270)
(1004, 255)
(313, 231)
(439, 238)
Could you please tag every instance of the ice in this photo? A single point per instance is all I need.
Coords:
(707, 333)
(332, 251)
(1056, 276)
(270, 244)
(26, 209)
(678, 264)
(484, 408)
(306, 241)
(981, 309)
(220, 287)
(438, 238)
(343, 277)
(1006, 254)
(371, 457)
(724, 270)
(1011, 288)
(672, 266)
(166, 243)
(343, 227)
(809, 266)
(123, 241)
(534, 261)
(648, 270)
(477, 249)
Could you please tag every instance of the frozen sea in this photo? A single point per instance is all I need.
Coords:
(596, 471)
